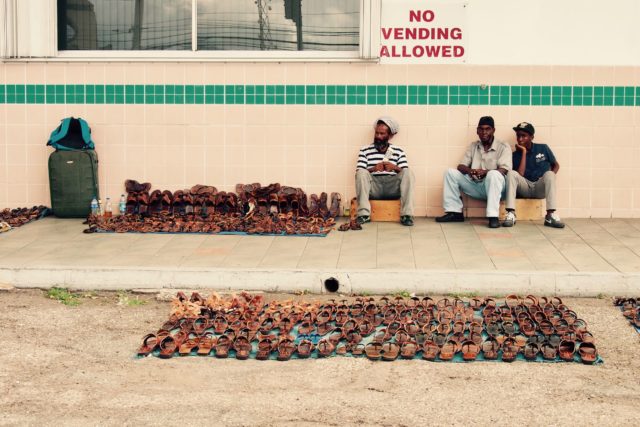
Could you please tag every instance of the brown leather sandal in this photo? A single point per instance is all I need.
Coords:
(566, 350)
(448, 350)
(222, 346)
(149, 343)
(207, 341)
(373, 351)
(588, 352)
(188, 346)
(325, 348)
(265, 347)
(305, 348)
(168, 347)
(430, 350)
(549, 352)
(243, 348)
(531, 351)
(470, 350)
(490, 349)
(408, 350)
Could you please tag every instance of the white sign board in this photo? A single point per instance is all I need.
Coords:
(423, 32)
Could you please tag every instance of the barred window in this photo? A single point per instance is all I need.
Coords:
(237, 25)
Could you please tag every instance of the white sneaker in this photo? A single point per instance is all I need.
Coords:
(509, 219)
(553, 220)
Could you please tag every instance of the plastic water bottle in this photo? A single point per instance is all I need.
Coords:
(100, 207)
(122, 206)
(108, 209)
(94, 207)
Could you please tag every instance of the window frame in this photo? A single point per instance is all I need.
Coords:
(368, 49)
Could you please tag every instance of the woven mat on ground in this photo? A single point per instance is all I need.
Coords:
(245, 327)
(221, 233)
(630, 308)
(258, 224)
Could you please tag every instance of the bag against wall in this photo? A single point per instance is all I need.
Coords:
(72, 134)
(73, 181)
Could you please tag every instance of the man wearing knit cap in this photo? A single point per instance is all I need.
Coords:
(382, 172)
(533, 176)
(480, 174)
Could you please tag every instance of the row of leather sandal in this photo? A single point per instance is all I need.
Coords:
(244, 326)
(248, 199)
(630, 309)
(13, 218)
(252, 209)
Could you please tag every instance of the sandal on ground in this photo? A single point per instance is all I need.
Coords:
(430, 350)
(390, 351)
(510, 350)
(490, 349)
(207, 341)
(448, 350)
(222, 347)
(325, 348)
(588, 352)
(304, 349)
(265, 346)
(373, 351)
(149, 343)
(470, 350)
(549, 352)
(187, 347)
(168, 347)
(566, 350)
(408, 350)
(531, 351)
(243, 348)
(358, 350)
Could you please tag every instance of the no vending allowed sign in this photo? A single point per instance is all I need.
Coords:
(422, 32)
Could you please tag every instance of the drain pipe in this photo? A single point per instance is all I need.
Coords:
(331, 285)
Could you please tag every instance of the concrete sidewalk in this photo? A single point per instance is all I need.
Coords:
(587, 258)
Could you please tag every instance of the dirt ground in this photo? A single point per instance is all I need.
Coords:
(62, 365)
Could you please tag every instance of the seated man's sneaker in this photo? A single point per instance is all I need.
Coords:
(494, 222)
(363, 219)
(553, 220)
(451, 217)
(406, 220)
(509, 219)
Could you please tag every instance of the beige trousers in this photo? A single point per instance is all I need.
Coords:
(519, 186)
(384, 187)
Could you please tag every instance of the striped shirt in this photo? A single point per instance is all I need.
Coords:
(369, 157)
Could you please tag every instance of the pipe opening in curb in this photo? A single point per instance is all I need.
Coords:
(331, 285)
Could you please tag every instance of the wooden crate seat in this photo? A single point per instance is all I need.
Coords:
(385, 210)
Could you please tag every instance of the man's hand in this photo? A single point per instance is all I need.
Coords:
(389, 167)
(478, 174)
(379, 167)
(521, 148)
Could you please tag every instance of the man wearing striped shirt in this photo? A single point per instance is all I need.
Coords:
(383, 173)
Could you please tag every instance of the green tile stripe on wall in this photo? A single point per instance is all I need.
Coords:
(321, 94)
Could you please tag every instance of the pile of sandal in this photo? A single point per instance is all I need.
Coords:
(245, 327)
(12, 218)
(630, 309)
(252, 209)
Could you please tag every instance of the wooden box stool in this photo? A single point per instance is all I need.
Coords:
(385, 210)
(527, 209)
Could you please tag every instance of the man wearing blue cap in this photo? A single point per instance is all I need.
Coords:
(533, 176)
(383, 172)
(480, 174)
